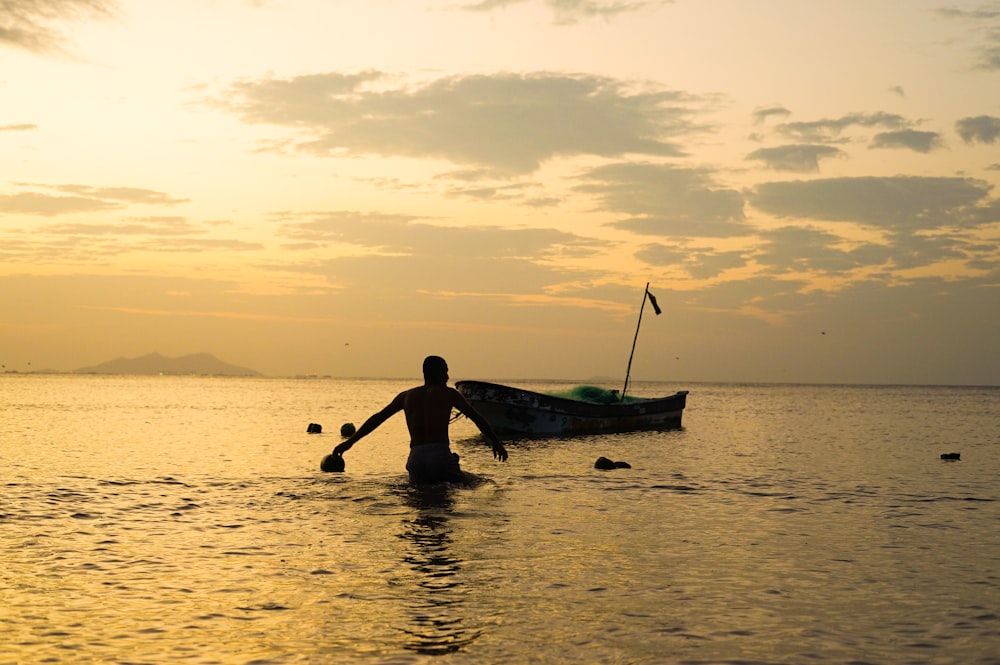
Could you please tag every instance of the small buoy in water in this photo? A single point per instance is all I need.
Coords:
(951, 456)
(604, 464)
(331, 462)
(622, 465)
(314, 428)
(347, 429)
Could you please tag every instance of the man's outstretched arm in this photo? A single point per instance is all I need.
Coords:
(370, 425)
(499, 452)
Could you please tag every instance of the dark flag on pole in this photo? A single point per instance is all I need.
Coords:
(652, 301)
(656, 308)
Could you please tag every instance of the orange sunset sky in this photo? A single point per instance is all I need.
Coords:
(341, 188)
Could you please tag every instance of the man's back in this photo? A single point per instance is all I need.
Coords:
(428, 412)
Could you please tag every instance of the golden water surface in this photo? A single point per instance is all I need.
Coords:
(166, 519)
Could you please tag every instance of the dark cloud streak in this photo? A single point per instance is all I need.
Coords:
(909, 139)
(831, 129)
(407, 236)
(798, 158)
(165, 226)
(760, 116)
(47, 205)
(80, 199)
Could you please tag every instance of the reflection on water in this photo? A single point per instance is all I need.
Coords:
(183, 520)
(436, 601)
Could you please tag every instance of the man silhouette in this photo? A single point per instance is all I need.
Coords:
(428, 413)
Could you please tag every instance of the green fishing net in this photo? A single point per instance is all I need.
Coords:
(593, 394)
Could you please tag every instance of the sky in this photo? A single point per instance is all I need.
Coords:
(810, 189)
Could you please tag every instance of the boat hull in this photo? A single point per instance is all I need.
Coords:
(513, 411)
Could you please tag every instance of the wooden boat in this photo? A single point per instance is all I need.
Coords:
(527, 413)
(514, 411)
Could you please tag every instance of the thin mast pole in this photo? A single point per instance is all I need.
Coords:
(628, 370)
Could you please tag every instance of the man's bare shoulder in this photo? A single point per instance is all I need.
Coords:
(427, 392)
(433, 393)
(400, 400)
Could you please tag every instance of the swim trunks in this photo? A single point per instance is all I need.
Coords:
(434, 463)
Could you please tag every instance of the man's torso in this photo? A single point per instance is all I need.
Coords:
(428, 412)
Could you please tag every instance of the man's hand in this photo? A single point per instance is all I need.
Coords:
(499, 452)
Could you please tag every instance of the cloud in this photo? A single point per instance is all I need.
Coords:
(700, 263)
(507, 124)
(910, 139)
(662, 255)
(666, 200)
(900, 202)
(506, 192)
(81, 199)
(760, 116)
(123, 194)
(807, 249)
(799, 158)
(572, 11)
(402, 235)
(148, 226)
(986, 22)
(919, 250)
(979, 129)
(990, 56)
(47, 205)
(23, 127)
(764, 297)
(34, 25)
(46, 249)
(386, 252)
(981, 215)
(830, 129)
(804, 252)
(709, 263)
(418, 273)
(187, 245)
(83, 243)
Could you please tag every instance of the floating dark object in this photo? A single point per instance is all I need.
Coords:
(332, 463)
(951, 456)
(314, 428)
(347, 429)
(604, 464)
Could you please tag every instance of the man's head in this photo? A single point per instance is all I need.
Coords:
(435, 370)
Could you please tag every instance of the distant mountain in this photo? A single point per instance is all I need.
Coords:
(154, 363)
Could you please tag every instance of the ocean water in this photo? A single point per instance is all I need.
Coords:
(181, 519)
